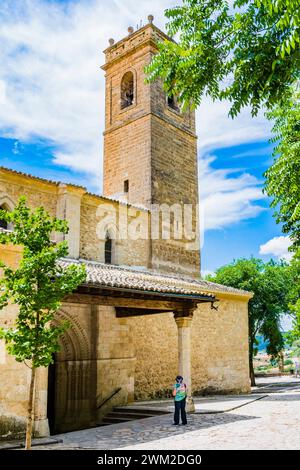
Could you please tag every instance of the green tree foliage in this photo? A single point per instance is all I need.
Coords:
(283, 177)
(296, 348)
(294, 299)
(249, 54)
(271, 284)
(37, 286)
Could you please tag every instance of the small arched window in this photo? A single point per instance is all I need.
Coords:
(3, 223)
(108, 249)
(173, 103)
(127, 90)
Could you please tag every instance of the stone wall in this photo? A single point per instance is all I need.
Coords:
(219, 350)
(155, 346)
(127, 157)
(15, 379)
(37, 192)
(116, 360)
(84, 212)
(100, 216)
(175, 183)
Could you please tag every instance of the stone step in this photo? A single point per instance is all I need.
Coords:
(136, 409)
(129, 414)
(122, 414)
(115, 419)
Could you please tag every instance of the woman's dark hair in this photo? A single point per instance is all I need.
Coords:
(179, 378)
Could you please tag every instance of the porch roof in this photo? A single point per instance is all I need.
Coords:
(109, 276)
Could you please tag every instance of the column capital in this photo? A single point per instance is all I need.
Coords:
(183, 319)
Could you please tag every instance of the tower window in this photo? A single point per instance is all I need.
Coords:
(126, 186)
(3, 223)
(127, 90)
(108, 249)
(172, 103)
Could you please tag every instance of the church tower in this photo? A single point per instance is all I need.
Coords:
(150, 148)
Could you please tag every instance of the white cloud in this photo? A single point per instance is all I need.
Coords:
(2, 92)
(216, 130)
(277, 246)
(227, 198)
(254, 152)
(52, 88)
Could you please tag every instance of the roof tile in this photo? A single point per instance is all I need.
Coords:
(106, 275)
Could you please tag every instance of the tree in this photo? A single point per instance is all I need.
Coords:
(283, 177)
(249, 54)
(37, 286)
(296, 348)
(271, 284)
(294, 299)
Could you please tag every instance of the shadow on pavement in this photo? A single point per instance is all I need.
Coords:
(284, 397)
(141, 431)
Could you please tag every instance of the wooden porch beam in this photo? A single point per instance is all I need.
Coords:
(124, 312)
(130, 302)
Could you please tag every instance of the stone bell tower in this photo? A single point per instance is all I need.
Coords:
(150, 147)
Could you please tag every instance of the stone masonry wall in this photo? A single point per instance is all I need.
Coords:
(37, 193)
(219, 351)
(95, 223)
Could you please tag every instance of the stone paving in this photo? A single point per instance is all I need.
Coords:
(203, 405)
(272, 422)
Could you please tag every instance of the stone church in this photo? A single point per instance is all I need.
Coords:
(144, 314)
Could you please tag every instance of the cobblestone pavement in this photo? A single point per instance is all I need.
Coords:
(272, 422)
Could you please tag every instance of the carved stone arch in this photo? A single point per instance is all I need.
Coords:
(74, 342)
(70, 396)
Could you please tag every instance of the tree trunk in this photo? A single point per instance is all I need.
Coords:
(30, 410)
(281, 362)
(251, 368)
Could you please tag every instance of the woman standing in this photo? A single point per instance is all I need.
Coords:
(179, 394)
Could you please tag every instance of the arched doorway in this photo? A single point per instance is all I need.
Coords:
(71, 393)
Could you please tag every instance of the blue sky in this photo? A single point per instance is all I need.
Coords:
(52, 119)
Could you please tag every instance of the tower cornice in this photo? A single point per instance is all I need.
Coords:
(152, 114)
(147, 35)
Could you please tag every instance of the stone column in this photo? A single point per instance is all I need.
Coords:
(184, 321)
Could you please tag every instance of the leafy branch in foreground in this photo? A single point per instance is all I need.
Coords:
(248, 54)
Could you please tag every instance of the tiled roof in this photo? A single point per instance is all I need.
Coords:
(105, 275)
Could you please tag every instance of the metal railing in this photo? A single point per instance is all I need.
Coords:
(99, 405)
